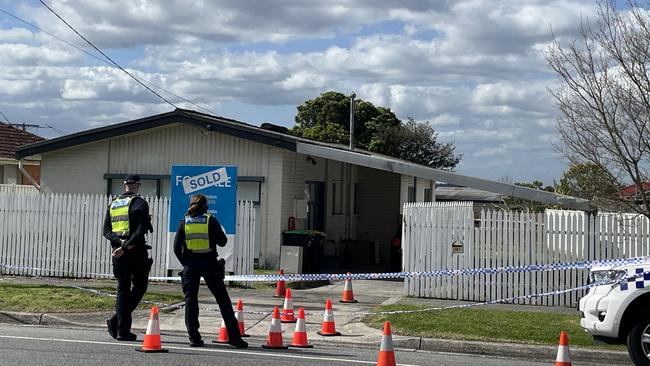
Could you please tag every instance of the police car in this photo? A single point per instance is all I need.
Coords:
(619, 312)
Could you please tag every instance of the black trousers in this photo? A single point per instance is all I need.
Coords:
(132, 274)
(193, 269)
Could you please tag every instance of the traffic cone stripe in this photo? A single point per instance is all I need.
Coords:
(387, 343)
(328, 317)
(153, 327)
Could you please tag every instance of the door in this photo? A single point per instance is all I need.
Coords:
(316, 206)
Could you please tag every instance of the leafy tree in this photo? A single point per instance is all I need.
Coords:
(604, 97)
(519, 204)
(377, 129)
(588, 181)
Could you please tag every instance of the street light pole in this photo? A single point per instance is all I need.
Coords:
(352, 96)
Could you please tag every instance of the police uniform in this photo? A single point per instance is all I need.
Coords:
(195, 247)
(126, 222)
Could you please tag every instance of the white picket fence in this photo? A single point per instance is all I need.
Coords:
(501, 238)
(60, 235)
(17, 189)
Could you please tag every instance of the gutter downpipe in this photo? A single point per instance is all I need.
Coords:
(26, 173)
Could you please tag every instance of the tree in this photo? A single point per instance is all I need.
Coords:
(377, 129)
(520, 204)
(588, 181)
(604, 97)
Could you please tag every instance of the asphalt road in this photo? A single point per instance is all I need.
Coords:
(35, 345)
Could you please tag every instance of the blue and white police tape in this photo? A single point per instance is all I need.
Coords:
(172, 307)
(393, 275)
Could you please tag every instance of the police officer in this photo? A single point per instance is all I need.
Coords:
(195, 246)
(126, 222)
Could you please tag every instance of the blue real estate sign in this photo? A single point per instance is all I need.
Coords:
(219, 185)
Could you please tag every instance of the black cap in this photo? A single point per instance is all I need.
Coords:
(132, 178)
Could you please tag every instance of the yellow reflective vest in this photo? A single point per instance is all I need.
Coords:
(196, 233)
(119, 213)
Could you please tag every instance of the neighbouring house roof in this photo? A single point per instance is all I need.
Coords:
(297, 144)
(11, 138)
(631, 190)
(455, 193)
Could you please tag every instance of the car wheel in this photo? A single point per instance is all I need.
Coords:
(638, 343)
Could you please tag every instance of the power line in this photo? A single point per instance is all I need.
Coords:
(108, 58)
(5, 117)
(104, 61)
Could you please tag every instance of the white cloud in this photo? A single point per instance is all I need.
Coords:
(474, 68)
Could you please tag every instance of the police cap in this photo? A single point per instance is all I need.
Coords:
(131, 178)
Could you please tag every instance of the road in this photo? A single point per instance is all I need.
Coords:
(35, 345)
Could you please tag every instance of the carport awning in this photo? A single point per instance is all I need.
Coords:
(385, 163)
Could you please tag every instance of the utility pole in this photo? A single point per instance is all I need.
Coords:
(352, 96)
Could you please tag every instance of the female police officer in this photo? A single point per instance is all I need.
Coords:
(195, 243)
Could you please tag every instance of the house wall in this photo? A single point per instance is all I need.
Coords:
(155, 151)
(79, 169)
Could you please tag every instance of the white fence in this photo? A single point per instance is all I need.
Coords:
(501, 238)
(60, 235)
(17, 189)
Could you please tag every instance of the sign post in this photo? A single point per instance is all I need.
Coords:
(219, 185)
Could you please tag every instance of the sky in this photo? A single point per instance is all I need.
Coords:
(473, 69)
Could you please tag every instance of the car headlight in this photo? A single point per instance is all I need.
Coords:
(609, 275)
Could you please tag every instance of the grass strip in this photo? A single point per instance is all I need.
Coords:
(485, 325)
(46, 298)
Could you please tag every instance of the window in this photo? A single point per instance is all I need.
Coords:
(337, 199)
(249, 191)
(411, 194)
(428, 197)
(2, 174)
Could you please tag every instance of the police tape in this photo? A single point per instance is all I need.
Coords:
(425, 274)
(172, 307)
(389, 275)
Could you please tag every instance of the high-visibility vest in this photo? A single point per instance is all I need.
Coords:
(196, 233)
(119, 213)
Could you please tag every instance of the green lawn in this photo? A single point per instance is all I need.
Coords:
(45, 298)
(483, 324)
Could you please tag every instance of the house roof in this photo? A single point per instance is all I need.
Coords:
(11, 138)
(301, 145)
(455, 193)
(631, 190)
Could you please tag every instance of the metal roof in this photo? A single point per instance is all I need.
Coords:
(301, 145)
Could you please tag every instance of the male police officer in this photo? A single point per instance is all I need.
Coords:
(126, 222)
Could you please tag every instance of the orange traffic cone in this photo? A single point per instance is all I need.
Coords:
(239, 314)
(288, 316)
(329, 328)
(386, 351)
(280, 287)
(223, 334)
(348, 296)
(274, 339)
(300, 334)
(152, 337)
(563, 357)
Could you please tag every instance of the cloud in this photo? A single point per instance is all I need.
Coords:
(474, 69)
